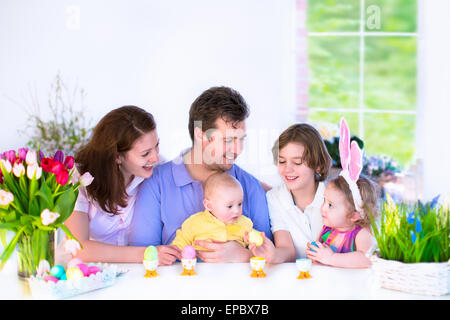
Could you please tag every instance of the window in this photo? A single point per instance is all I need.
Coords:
(362, 64)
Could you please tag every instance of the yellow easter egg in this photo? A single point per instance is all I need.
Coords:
(74, 274)
(255, 238)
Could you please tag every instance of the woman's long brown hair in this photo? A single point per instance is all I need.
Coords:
(114, 135)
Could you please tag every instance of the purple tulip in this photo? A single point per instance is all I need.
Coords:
(41, 155)
(23, 153)
(59, 156)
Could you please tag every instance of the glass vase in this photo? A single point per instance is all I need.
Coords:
(32, 248)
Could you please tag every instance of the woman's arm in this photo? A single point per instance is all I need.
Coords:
(94, 251)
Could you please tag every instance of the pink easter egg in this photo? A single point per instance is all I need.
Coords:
(50, 278)
(73, 263)
(93, 270)
(84, 268)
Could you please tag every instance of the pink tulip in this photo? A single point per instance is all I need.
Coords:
(58, 167)
(23, 153)
(10, 155)
(62, 177)
(69, 162)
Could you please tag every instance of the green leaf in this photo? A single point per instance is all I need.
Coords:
(3, 233)
(46, 198)
(10, 248)
(65, 203)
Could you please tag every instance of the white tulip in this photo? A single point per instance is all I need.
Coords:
(18, 169)
(6, 197)
(48, 217)
(7, 165)
(34, 169)
(86, 179)
(72, 246)
(31, 158)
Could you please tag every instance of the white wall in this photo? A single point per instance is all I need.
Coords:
(159, 55)
(433, 131)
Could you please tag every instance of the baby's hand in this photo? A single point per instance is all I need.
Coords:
(322, 253)
(266, 250)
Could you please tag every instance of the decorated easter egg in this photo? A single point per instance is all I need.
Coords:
(314, 244)
(93, 270)
(63, 277)
(151, 253)
(188, 252)
(255, 238)
(50, 278)
(74, 274)
(84, 268)
(74, 262)
(57, 271)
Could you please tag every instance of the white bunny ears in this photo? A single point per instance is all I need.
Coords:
(351, 162)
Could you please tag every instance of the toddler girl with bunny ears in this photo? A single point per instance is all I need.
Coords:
(348, 200)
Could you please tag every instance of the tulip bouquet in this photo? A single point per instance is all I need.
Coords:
(37, 194)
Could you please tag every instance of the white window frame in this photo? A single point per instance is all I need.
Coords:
(362, 33)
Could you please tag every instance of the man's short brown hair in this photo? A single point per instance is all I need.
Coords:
(315, 153)
(217, 103)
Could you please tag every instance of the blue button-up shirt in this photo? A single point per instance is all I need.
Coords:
(170, 196)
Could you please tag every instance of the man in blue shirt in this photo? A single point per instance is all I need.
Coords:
(175, 190)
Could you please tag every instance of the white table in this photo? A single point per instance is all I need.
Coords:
(230, 281)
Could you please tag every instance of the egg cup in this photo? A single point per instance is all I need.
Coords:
(150, 266)
(257, 264)
(303, 265)
(188, 267)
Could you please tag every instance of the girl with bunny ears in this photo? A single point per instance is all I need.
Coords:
(348, 200)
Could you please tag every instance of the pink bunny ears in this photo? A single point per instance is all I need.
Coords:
(351, 162)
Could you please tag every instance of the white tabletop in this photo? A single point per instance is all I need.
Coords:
(230, 281)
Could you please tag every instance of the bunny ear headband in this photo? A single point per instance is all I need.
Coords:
(351, 162)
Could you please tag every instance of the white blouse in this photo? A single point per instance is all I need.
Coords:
(304, 226)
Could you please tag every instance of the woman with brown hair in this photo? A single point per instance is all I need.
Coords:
(121, 153)
(294, 206)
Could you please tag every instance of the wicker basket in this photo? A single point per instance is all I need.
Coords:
(418, 278)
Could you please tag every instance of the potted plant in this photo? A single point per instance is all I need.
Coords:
(37, 194)
(66, 129)
(413, 247)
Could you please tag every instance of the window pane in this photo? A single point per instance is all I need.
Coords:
(390, 73)
(333, 15)
(390, 134)
(391, 15)
(352, 118)
(334, 72)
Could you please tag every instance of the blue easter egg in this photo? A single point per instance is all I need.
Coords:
(63, 277)
(57, 271)
(314, 244)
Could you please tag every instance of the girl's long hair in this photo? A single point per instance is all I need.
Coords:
(114, 135)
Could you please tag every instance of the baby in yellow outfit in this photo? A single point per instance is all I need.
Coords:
(222, 220)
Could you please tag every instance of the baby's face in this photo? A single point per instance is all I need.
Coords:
(335, 211)
(226, 204)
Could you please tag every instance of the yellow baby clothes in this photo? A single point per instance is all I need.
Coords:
(204, 226)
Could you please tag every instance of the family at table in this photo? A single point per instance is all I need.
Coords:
(204, 199)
